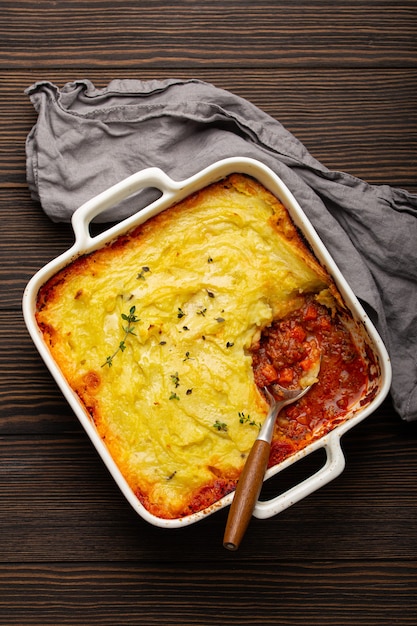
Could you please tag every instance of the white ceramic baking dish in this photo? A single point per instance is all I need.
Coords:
(172, 191)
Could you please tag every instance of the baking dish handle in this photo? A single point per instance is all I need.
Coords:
(334, 465)
(151, 177)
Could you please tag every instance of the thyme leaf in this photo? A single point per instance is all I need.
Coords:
(175, 379)
(247, 419)
(128, 329)
(141, 275)
(220, 426)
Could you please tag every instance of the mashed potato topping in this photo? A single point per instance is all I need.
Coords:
(153, 332)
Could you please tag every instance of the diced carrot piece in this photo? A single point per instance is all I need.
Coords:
(268, 373)
(310, 313)
(298, 333)
(306, 364)
(285, 376)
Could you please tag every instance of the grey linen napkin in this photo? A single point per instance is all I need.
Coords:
(87, 139)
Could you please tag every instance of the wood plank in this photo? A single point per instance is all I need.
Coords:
(289, 592)
(343, 78)
(28, 240)
(359, 147)
(186, 34)
(30, 401)
(57, 487)
(350, 121)
(376, 123)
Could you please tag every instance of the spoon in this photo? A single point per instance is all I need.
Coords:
(251, 479)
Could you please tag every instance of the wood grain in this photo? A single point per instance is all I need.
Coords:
(342, 77)
(374, 114)
(216, 34)
(52, 478)
(228, 594)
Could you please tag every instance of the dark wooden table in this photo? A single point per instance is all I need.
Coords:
(343, 78)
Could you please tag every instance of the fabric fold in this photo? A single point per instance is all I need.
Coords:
(87, 139)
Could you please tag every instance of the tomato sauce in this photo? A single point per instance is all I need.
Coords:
(286, 351)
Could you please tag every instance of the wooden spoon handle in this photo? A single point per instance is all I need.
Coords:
(246, 494)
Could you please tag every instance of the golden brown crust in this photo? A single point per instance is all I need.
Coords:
(153, 333)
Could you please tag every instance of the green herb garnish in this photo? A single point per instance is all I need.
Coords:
(131, 319)
(220, 426)
(141, 275)
(247, 419)
(175, 379)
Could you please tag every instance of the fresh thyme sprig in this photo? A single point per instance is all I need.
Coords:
(220, 426)
(131, 319)
(141, 275)
(247, 419)
(175, 379)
